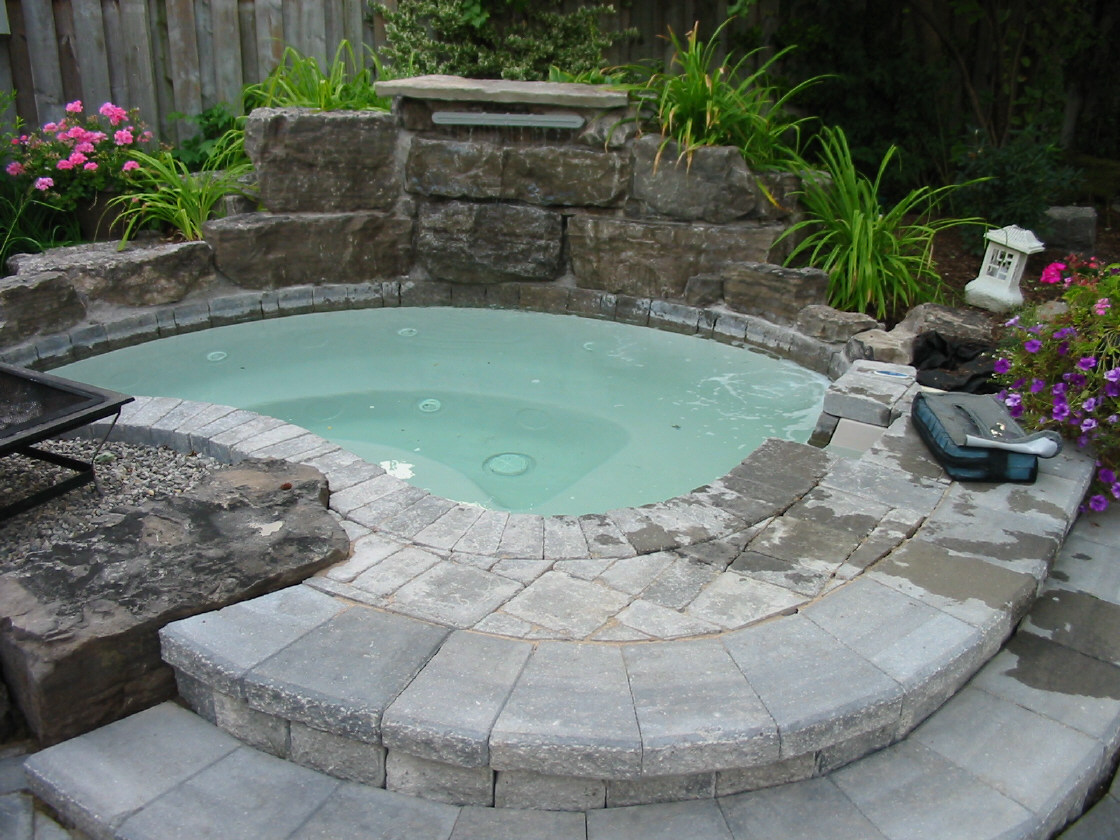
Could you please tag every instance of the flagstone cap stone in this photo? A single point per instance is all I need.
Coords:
(458, 89)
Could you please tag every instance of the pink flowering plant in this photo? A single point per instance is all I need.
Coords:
(70, 161)
(1063, 373)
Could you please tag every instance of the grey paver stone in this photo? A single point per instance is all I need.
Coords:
(571, 713)
(454, 594)
(563, 538)
(364, 492)
(284, 795)
(727, 494)
(999, 742)
(337, 756)
(447, 712)
(416, 518)
(521, 570)
(503, 624)
(374, 513)
(277, 434)
(494, 824)
(732, 601)
(523, 537)
(679, 584)
(341, 676)
(218, 647)
(641, 531)
(565, 604)
(450, 527)
(798, 540)
(603, 537)
(484, 536)
(529, 790)
(345, 469)
(389, 575)
(796, 811)
(932, 787)
(265, 732)
(786, 466)
(655, 621)
(354, 810)
(633, 574)
(900, 448)
(768, 775)
(818, 691)
(883, 484)
(99, 778)
(623, 792)
(1051, 502)
(807, 577)
(585, 569)
(668, 821)
(17, 816)
(365, 552)
(696, 710)
(294, 447)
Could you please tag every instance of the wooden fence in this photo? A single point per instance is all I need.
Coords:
(182, 56)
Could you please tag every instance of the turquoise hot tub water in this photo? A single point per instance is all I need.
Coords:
(511, 410)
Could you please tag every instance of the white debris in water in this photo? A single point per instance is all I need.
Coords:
(398, 469)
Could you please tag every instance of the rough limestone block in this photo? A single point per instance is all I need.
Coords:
(526, 789)
(37, 303)
(462, 242)
(270, 251)
(655, 259)
(833, 325)
(623, 792)
(138, 275)
(80, 647)
(770, 291)
(711, 184)
(340, 757)
(324, 161)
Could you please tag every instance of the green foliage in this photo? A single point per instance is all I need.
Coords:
(1019, 180)
(28, 225)
(1063, 373)
(166, 194)
(300, 82)
(493, 39)
(879, 260)
(214, 126)
(712, 103)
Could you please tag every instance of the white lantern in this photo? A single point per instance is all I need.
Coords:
(997, 287)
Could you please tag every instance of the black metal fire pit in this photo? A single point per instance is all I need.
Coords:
(37, 406)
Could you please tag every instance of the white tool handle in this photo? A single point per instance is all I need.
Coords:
(1044, 445)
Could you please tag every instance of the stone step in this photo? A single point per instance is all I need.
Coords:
(380, 686)
(1017, 753)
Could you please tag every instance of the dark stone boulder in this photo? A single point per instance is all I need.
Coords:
(30, 304)
(143, 274)
(833, 325)
(313, 161)
(714, 186)
(464, 242)
(772, 291)
(79, 639)
(267, 251)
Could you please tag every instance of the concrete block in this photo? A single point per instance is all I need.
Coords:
(433, 780)
(696, 711)
(485, 534)
(265, 732)
(646, 791)
(668, 821)
(416, 518)
(354, 810)
(797, 811)
(567, 605)
(768, 775)
(732, 600)
(337, 756)
(444, 532)
(340, 676)
(493, 824)
(390, 574)
(447, 712)
(571, 713)
(529, 790)
(603, 537)
(453, 594)
(653, 621)
(563, 538)
(523, 537)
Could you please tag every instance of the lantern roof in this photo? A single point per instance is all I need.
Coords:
(1016, 238)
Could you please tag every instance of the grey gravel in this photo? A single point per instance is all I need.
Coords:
(127, 476)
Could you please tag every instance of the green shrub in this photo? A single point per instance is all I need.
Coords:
(214, 126)
(29, 225)
(702, 102)
(490, 39)
(879, 260)
(299, 82)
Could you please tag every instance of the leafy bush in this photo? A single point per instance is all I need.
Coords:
(28, 225)
(708, 103)
(299, 82)
(214, 125)
(490, 39)
(1012, 184)
(166, 194)
(879, 260)
(1064, 373)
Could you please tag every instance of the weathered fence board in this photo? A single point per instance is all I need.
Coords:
(167, 56)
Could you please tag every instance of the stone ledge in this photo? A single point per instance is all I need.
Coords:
(459, 89)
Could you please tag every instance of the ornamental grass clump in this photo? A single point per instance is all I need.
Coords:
(1063, 373)
(68, 163)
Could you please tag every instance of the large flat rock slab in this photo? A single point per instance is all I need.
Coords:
(78, 642)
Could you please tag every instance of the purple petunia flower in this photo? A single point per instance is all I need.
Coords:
(1088, 424)
(1091, 404)
(1012, 322)
(1013, 400)
(1106, 475)
(1112, 375)
(1060, 412)
(1098, 503)
(1065, 332)
(1032, 345)
(1058, 389)
(1115, 490)
(1087, 362)
(1002, 365)
(1063, 348)
(1037, 385)
(1111, 389)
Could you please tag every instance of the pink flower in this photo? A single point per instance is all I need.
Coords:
(1052, 273)
(1102, 306)
(74, 107)
(90, 166)
(115, 113)
(14, 168)
(77, 158)
(85, 147)
(146, 137)
(50, 127)
(64, 164)
(130, 165)
(44, 183)
(123, 137)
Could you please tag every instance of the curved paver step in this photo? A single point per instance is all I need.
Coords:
(1015, 755)
(476, 718)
